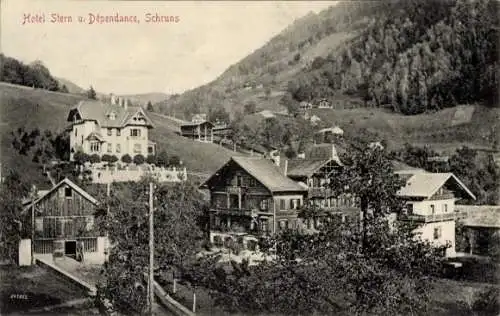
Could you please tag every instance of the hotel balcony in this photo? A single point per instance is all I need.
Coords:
(428, 218)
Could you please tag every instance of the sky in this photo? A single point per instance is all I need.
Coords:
(131, 58)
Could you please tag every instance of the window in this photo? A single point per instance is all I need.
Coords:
(137, 148)
(264, 205)
(432, 209)
(118, 148)
(89, 223)
(67, 192)
(283, 224)
(135, 132)
(76, 131)
(95, 147)
(118, 132)
(409, 208)
(239, 181)
(110, 132)
(295, 204)
(445, 208)
(437, 232)
(110, 148)
(39, 224)
(282, 204)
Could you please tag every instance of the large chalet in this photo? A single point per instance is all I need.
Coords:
(113, 129)
(251, 196)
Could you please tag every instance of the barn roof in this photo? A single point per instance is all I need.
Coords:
(72, 185)
(264, 171)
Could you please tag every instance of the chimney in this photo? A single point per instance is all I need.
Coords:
(113, 98)
(276, 160)
(286, 167)
(125, 103)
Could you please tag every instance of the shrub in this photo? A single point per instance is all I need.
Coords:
(139, 159)
(113, 159)
(80, 157)
(95, 158)
(162, 159)
(151, 159)
(126, 158)
(106, 158)
(174, 161)
(487, 302)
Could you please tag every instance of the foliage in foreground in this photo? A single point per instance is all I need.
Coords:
(177, 215)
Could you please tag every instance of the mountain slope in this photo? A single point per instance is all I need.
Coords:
(143, 98)
(413, 56)
(71, 86)
(29, 108)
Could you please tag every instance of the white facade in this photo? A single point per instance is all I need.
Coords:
(111, 137)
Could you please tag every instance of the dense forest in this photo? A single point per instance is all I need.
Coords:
(413, 57)
(34, 75)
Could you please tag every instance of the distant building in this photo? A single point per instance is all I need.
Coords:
(327, 135)
(250, 197)
(315, 120)
(113, 129)
(64, 221)
(305, 105)
(324, 104)
(199, 118)
(201, 131)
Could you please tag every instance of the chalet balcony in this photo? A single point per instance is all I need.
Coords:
(443, 196)
(239, 211)
(428, 218)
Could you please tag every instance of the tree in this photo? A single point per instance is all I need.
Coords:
(368, 175)
(149, 107)
(326, 273)
(126, 158)
(12, 190)
(91, 94)
(139, 159)
(162, 159)
(250, 107)
(81, 158)
(174, 161)
(151, 159)
(64, 89)
(177, 238)
(95, 158)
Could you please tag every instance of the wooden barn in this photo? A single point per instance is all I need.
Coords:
(64, 223)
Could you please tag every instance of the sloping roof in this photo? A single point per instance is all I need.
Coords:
(480, 215)
(304, 167)
(192, 124)
(71, 185)
(425, 184)
(98, 111)
(333, 129)
(264, 171)
(95, 135)
(325, 151)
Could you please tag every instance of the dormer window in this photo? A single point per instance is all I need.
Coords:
(112, 116)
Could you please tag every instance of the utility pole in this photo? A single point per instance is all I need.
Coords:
(151, 251)
(33, 196)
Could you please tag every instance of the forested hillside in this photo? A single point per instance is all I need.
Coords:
(411, 56)
(34, 75)
(414, 56)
